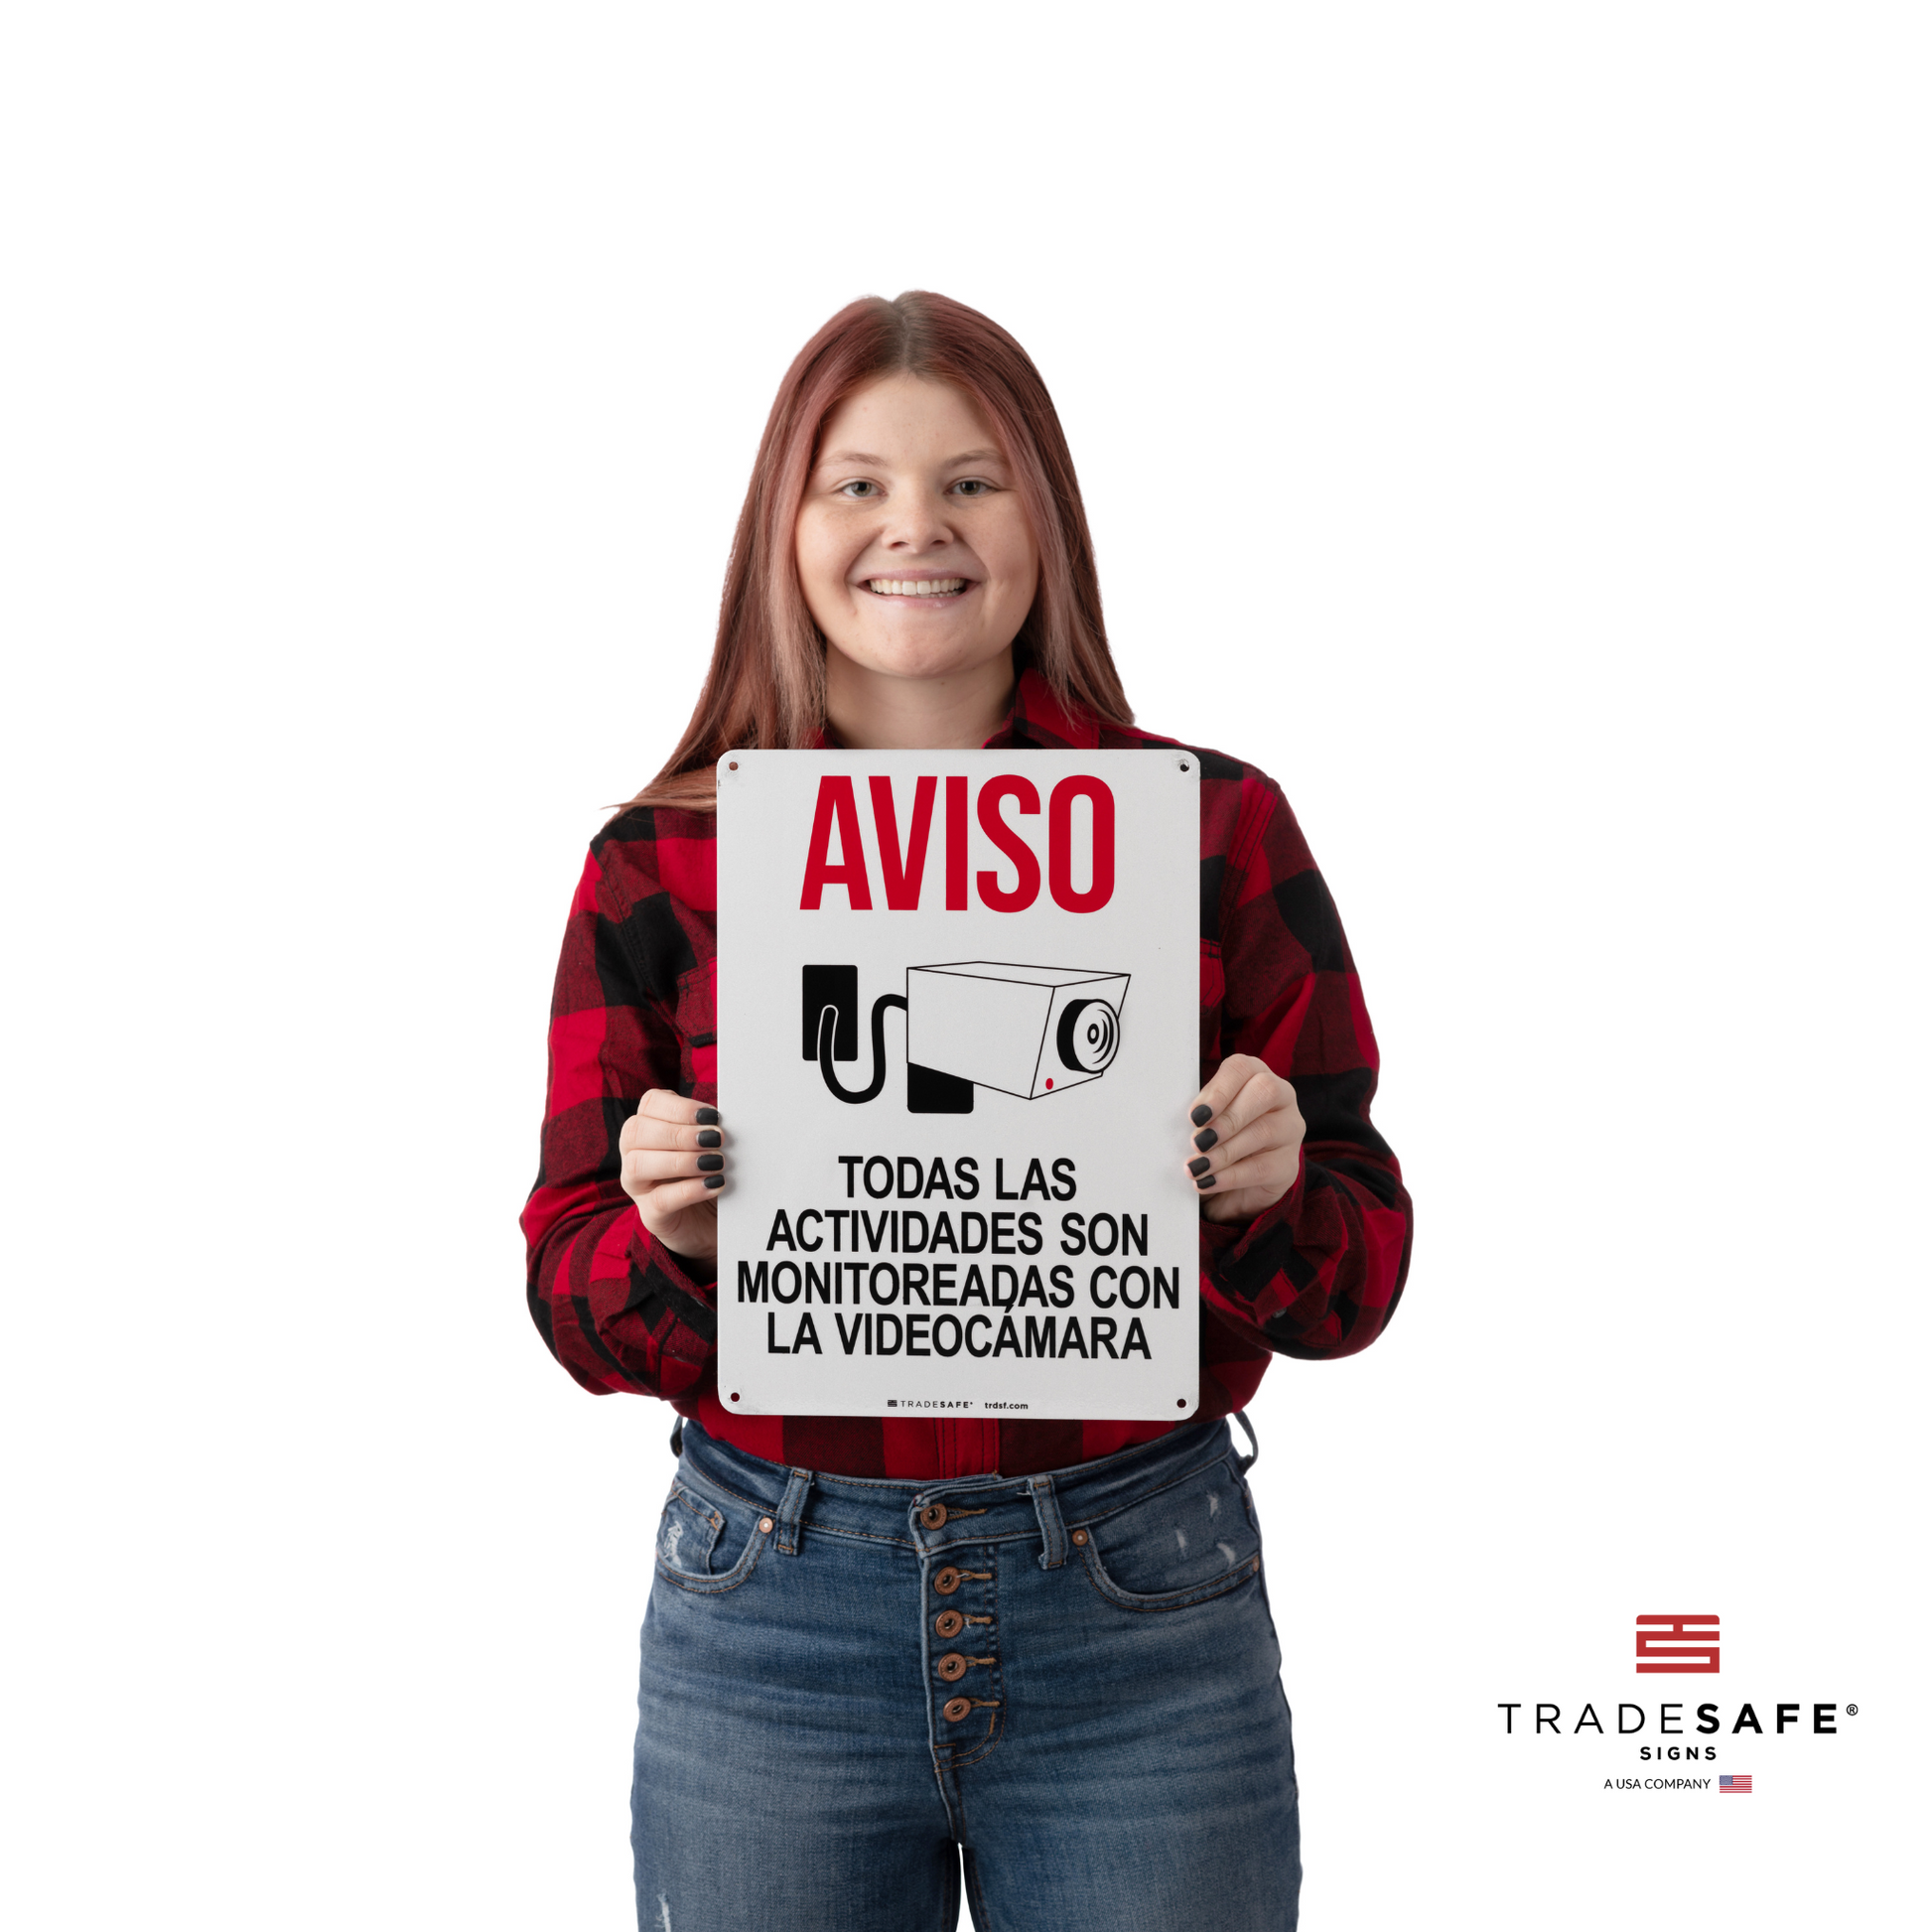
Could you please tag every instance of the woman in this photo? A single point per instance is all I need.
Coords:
(872, 1642)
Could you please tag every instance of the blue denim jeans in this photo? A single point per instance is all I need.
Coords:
(1072, 1679)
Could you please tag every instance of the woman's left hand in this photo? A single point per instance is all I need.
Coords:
(1246, 1147)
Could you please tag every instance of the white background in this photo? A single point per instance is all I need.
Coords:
(1505, 423)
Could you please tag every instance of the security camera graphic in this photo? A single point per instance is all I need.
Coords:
(1027, 1031)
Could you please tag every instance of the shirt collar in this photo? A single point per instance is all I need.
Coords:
(1038, 718)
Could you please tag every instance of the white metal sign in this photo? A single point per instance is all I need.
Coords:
(958, 1030)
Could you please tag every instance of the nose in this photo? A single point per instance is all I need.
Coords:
(918, 522)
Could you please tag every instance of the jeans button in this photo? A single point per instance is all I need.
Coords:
(953, 1667)
(948, 1623)
(933, 1517)
(946, 1581)
(954, 1708)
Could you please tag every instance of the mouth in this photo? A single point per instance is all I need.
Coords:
(917, 586)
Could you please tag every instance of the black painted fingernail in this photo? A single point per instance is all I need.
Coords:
(711, 1138)
(1201, 1115)
(708, 1115)
(711, 1162)
(1199, 1165)
(1204, 1182)
(714, 1180)
(1205, 1138)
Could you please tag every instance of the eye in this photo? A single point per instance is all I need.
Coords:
(973, 486)
(859, 489)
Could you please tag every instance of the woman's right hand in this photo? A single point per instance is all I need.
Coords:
(673, 1168)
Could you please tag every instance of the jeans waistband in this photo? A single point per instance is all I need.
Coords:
(934, 1514)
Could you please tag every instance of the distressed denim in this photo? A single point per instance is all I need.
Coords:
(1070, 1679)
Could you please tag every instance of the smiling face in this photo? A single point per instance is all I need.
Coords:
(913, 548)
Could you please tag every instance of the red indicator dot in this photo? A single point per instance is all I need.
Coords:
(1050, 1086)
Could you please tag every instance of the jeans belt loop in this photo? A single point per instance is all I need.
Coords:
(1053, 1529)
(791, 1511)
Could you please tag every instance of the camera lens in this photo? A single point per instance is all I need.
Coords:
(1089, 1035)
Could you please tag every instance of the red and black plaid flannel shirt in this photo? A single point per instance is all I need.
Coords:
(1317, 1275)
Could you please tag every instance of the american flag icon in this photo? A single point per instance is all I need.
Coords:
(1726, 1782)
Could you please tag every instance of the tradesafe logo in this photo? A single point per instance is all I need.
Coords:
(1662, 1734)
(1677, 1645)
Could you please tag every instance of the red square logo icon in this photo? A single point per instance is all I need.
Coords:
(1677, 1644)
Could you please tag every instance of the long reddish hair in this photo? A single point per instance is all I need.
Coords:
(766, 681)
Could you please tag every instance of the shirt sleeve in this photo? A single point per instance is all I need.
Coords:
(616, 1307)
(1318, 1273)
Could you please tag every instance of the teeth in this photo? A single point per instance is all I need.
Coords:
(915, 587)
